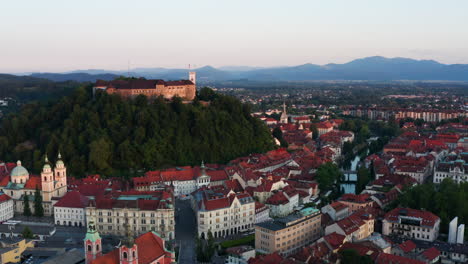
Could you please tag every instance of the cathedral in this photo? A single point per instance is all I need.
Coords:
(52, 184)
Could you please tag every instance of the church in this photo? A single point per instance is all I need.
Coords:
(16, 182)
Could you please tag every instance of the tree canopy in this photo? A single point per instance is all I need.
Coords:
(446, 200)
(106, 134)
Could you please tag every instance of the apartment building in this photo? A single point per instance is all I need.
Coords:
(223, 214)
(6, 207)
(411, 223)
(143, 211)
(288, 234)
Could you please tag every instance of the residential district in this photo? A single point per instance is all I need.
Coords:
(274, 207)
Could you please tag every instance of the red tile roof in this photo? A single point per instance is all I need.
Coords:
(356, 198)
(428, 219)
(277, 199)
(150, 248)
(273, 258)
(431, 253)
(385, 258)
(33, 183)
(407, 246)
(73, 199)
(338, 206)
(334, 239)
(4, 197)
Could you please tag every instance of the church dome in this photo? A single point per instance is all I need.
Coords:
(19, 170)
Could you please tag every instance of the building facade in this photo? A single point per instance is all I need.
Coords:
(288, 234)
(70, 210)
(143, 211)
(412, 224)
(223, 214)
(454, 167)
(6, 207)
(184, 180)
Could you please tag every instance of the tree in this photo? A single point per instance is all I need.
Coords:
(314, 130)
(38, 209)
(351, 256)
(26, 208)
(100, 155)
(278, 134)
(327, 175)
(27, 233)
(363, 178)
(106, 134)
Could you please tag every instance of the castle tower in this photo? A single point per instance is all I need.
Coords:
(193, 77)
(60, 174)
(129, 250)
(284, 115)
(92, 243)
(47, 181)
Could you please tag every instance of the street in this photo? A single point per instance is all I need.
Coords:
(186, 230)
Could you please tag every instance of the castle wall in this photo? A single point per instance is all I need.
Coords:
(186, 92)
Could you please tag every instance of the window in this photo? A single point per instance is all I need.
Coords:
(125, 255)
(89, 248)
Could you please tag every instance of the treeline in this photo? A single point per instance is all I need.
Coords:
(110, 135)
(447, 200)
(25, 88)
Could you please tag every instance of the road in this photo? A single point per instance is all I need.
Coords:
(186, 228)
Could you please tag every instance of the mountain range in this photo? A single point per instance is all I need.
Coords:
(371, 68)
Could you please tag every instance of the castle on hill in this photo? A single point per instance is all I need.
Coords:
(184, 89)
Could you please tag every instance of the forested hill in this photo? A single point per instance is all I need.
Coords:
(26, 88)
(112, 136)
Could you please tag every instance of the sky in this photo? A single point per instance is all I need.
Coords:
(59, 36)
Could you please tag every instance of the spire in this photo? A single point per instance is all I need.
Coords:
(59, 156)
(46, 160)
(202, 165)
(284, 107)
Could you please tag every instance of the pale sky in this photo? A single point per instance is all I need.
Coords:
(58, 35)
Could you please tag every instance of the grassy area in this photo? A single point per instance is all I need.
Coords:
(247, 240)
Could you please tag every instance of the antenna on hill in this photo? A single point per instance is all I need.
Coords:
(128, 69)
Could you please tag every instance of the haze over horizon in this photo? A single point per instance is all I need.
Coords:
(56, 36)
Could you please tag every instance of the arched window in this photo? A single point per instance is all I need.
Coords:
(89, 248)
(125, 255)
(97, 247)
(133, 254)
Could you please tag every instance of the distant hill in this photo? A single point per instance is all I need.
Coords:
(370, 68)
(76, 76)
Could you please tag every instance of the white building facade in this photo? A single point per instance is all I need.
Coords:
(226, 215)
(6, 207)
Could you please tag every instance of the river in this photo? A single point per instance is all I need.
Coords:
(351, 177)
